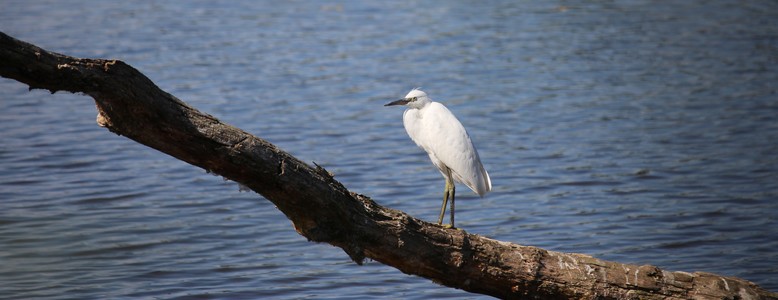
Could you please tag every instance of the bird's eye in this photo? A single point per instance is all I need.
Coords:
(414, 99)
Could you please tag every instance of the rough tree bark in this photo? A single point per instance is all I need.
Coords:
(323, 210)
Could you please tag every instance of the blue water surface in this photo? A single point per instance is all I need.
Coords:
(641, 132)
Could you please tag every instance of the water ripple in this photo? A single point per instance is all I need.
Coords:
(635, 132)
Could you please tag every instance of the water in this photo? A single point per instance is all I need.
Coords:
(631, 131)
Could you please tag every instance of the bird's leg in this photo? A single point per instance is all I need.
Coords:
(448, 194)
(445, 202)
(451, 194)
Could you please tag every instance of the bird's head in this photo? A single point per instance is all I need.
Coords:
(416, 98)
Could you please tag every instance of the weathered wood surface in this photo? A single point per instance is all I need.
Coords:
(323, 210)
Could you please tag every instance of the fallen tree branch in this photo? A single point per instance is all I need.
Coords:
(323, 210)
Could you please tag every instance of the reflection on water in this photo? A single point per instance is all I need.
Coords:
(635, 132)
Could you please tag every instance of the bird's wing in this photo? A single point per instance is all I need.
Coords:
(438, 132)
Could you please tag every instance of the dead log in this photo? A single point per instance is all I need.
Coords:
(323, 210)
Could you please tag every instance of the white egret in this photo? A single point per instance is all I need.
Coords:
(436, 130)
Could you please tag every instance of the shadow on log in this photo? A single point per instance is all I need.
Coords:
(323, 210)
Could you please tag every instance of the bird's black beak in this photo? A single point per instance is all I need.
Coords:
(398, 102)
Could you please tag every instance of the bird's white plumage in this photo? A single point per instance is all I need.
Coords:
(436, 130)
